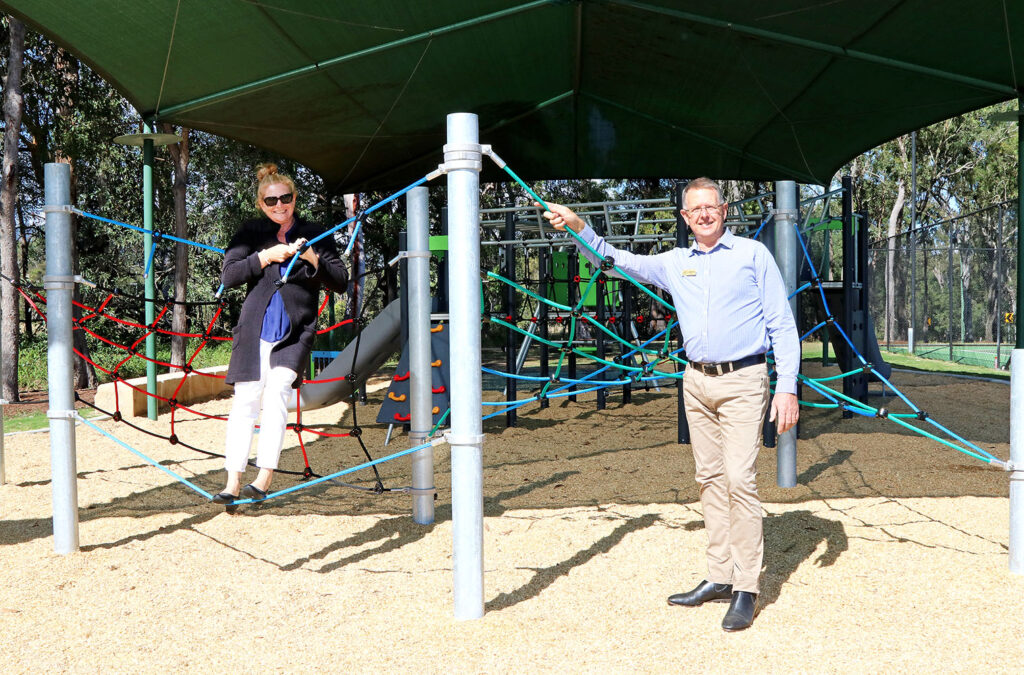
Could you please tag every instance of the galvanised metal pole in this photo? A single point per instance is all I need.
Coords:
(1016, 547)
(147, 223)
(420, 380)
(59, 284)
(913, 243)
(787, 212)
(462, 160)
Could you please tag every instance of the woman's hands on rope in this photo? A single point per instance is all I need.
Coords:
(282, 252)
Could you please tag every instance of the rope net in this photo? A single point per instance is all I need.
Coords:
(638, 362)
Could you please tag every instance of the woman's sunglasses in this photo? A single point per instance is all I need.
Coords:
(285, 199)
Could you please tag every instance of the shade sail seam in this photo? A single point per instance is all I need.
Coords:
(384, 120)
(262, 9)
(781, 110)
(818, 46)
(1009, 45)
(705, 139)
(273, 80)
(486, 130)
(167, 60)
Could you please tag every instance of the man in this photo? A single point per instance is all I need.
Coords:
(732, 308)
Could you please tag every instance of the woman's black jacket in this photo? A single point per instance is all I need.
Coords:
(300, 294)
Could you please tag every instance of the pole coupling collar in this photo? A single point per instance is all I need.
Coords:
(462, 156)
(465, 439)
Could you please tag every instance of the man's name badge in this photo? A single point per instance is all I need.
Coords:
(689, 273)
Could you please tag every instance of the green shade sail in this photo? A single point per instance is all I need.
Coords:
(359, 90)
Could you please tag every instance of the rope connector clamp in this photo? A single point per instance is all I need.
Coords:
(58, 282)
(58, 208)
(408, 254)
(61, 414)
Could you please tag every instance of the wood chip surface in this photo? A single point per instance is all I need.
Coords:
(889, 556)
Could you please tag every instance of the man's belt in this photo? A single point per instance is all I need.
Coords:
(727, 366)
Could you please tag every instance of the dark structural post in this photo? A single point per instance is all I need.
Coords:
(624, 328)
(510, 312)
(572, 270)
(852, 319)
(544, 269)
(442, 268)
(601, 288)
(682, 241)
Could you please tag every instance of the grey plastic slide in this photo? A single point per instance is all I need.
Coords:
(379, 340)
(839, 345)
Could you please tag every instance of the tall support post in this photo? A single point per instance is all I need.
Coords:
(1017, 376)
(999, 288)
(913, 243)
(949, 294)
(625, 325)
(572, 270)
(463, 163)
(59, 284)
(787, 214)
(682, 241)
(147, 224)
(509, 301)
(545, 266)
(854, 386)
(602, 319)
(420, 380)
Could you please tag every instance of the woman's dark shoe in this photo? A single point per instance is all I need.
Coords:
(252, 492)
(224, 498)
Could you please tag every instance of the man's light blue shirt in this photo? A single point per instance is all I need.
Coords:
(731, 301)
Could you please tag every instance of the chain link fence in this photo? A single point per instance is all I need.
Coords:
(949, 288)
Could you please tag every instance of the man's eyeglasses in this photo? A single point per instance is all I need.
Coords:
(701, 210)
(285, 199)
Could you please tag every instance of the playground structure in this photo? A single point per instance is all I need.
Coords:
(468, 444)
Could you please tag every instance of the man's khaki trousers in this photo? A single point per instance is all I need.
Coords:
(725, 413)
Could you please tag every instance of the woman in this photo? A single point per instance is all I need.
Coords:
(275, 330)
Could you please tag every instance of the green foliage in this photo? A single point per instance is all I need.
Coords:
(32, 371)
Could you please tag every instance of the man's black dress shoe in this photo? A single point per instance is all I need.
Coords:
(741, 611)
(252, 492)
(224, 498)
(705, 592)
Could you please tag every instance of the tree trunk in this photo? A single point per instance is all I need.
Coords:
(179, 317)
(892, 287)
(26, 309)
(355, 284)
(13, 107)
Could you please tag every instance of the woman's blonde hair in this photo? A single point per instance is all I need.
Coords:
(267, 175)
